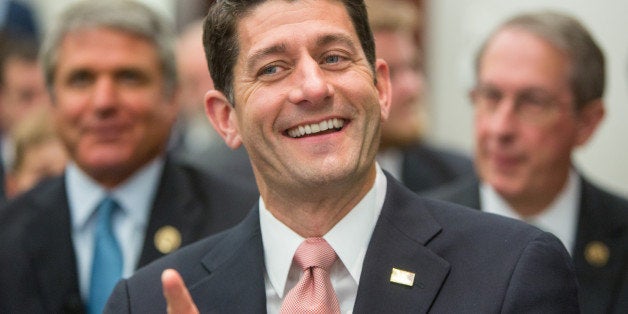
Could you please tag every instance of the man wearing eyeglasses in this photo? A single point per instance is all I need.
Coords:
(538, 97)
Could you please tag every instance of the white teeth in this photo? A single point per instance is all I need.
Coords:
(323, 126)
(314, 128)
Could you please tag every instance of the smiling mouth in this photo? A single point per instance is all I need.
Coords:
(327, 126)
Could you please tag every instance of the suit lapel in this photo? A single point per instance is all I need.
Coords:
(398, 241)
(175, 210)
(600, 252)
(52, 252)
(235, 272)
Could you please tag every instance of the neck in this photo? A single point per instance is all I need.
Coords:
(532, 204)
(314, 213)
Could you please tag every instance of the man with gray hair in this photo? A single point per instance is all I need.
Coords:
(538, 97)
(122, 201)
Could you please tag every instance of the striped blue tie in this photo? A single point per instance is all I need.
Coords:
(107, 262)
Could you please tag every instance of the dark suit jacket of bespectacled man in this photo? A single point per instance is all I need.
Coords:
(110, 68)
(297, 83)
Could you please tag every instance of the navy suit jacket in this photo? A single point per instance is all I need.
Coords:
(465, 261)
(38, 272)
(425, 167)
(602, 218)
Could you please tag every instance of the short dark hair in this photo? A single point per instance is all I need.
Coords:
(220, 37)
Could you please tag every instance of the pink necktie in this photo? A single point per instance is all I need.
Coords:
(314, 292)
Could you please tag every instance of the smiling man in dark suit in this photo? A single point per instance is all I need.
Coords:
(110, 69)
(540, 83)
(297, 83)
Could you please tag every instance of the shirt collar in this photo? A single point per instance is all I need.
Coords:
(280, 242)
(560, 217)
(137, 192)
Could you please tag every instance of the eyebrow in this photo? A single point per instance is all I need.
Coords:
(282, 48)
(260, 54)
(337, 38)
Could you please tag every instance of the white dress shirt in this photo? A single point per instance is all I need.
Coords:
(135, 197)
(559, 218)
(349, 238)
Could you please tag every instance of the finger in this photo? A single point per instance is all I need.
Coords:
(177, 295)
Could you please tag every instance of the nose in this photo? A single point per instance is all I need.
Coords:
(503, 121)
(310, 83)
(105, 94)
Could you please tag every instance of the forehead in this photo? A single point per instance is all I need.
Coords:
(516, 54)
(285, 21)
(105, 44)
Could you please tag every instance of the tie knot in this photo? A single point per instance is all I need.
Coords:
(106, 208)
(315, 252)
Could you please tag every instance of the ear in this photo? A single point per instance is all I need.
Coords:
(223, 117)
(589, 118)
(382, 74)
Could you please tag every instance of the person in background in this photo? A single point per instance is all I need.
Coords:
(194, 139)
(122, 201)
(298, 84)
(404, 151)
(39, 153)
(18, 20)
(538, 97)
(22, 92)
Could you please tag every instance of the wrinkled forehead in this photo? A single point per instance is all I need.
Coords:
(280, 23)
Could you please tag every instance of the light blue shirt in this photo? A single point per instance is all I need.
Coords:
(349, 238)
(135, 197)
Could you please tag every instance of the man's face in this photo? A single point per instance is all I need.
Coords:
(306, 105)
(526, 124)
(23, 92)
(113, 112)
(404, 124)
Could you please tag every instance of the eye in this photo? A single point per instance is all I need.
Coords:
(269, 70)
(487, 95)
(131, 77)
(333, 59)
(80, 79)
(272, 71)
(534, 100)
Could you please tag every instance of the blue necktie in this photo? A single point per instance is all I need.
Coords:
(107, 262)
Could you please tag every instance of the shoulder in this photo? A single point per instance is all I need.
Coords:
(203, 179)
(454, 159)
(464, 190)
(210, 188)
(596, 197)
(49, 195)
(458, 223)
(196, 262)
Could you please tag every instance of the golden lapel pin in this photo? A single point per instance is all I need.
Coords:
(402, 277)
(597, 253)
(167, 239)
